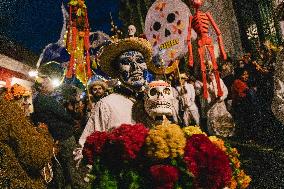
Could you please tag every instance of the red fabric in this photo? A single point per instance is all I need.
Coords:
(239, 89)
(70, 70)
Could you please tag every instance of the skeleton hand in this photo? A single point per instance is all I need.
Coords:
(190, 61)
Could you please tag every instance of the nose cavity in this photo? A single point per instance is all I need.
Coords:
(167, 32)
(160, 94)
(134, 66)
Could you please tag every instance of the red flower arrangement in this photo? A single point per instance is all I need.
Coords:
(209, 164)
(164, 176)
(129, 139)
(94, 145)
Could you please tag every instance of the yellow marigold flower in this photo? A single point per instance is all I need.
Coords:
(218, 142)
(192, 130)
(246, 182)
(165, 141)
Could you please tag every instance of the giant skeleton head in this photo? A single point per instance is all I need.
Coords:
(158, 100)
(166, 28)
(133, 68)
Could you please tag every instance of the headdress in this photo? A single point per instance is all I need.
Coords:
(108, 54)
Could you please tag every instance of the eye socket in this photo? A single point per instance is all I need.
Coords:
(167, 91)
(153, 92)
(157, 26)
(171, 17)
(140, 60)
(125, 61)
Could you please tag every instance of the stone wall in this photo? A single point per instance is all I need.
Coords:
(224, 16)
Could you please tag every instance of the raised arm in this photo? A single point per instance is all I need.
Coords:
(190, 56)
(219, 37)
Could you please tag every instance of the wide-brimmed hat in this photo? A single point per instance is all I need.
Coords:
(109, 53)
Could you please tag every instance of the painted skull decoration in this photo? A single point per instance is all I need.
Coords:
(166, 28)
(133, 68)
(131, 30)
(158, 100)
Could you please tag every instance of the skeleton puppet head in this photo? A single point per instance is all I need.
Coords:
(166, 28)
(133, 69)
(158, 99)
(131, 30)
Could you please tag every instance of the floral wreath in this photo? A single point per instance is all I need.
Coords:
(109, 53)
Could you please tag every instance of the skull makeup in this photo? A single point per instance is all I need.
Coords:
(158, 99)
(131, 30)
(166, 28)
(133, 69)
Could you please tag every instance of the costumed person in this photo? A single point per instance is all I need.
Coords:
(61, 126)
(187, 96)
(25, 151)
(127, 60)
(219, 120)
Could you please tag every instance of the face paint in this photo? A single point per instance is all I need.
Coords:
(133, 68)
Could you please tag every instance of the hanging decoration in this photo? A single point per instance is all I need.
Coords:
(77, 42)
(166, 28)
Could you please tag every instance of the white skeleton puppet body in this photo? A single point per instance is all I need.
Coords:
(159, 100)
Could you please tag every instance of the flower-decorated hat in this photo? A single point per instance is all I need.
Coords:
(108, 54)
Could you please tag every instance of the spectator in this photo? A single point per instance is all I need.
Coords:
(187, 95)
(245, 105)
(60, 124)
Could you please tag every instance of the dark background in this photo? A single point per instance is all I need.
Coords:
(35, 23)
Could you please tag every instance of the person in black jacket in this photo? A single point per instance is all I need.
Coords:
(60, 124)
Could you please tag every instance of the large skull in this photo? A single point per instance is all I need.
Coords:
(158, 99)
(131, 30)
(133, 68)
(166, 28)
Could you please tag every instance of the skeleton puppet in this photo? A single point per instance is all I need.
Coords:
(159, 99)
(200, 22)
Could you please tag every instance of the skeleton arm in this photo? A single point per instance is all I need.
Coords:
(190, 56)
(219, 37)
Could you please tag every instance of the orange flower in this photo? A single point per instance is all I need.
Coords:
(233, 184)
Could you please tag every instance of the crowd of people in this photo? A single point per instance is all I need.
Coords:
(71, 115)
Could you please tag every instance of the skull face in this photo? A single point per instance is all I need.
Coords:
(133, 68)
(166, 28)
(159, 98)
(197, 3)
(131, 30)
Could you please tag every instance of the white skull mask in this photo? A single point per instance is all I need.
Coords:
(166, 28)
(133, 68)
(158, 100)
(131, 30)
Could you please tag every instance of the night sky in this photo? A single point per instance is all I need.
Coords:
(36, 23)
